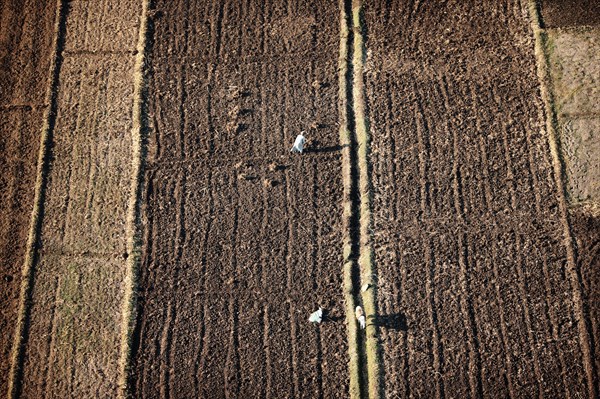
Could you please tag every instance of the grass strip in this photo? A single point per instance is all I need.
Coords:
(133, 229)
(366, 260)
(27, 274)
(543, 72)
(349, 216)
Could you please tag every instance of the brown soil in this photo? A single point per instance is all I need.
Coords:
(78, 289)
(586, 229)
(25, 49)
(242, 239)
(574, 68)
(72, 341)
(475, 294)
(566, 13)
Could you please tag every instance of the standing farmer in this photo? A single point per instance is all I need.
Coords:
(299, 144)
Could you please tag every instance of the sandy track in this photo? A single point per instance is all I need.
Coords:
(468, 236)
(25, 50)
(72, 340)
(242, 240)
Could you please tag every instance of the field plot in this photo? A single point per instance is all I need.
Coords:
(574, 67)
(475, 284)
(242, 239)
(72, 341)
(572, 47)
(586, 230)
(25, 51)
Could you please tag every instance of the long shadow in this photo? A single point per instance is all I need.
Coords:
(330, 318)
(333, 148)
(395, 321)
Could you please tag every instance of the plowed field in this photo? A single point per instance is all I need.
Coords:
(470, 253)
(70, 325)
(243, 239)
(26, 37)
(177, 248)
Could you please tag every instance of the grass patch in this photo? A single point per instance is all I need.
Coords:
(133, 230)
(349, 208)
(366, 261)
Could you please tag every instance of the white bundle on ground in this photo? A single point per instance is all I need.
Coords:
(299, 144)
(316, 317)
(360, 316)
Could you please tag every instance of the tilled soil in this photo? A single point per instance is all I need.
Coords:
(25, 51)
(242, 239)
(586, 229)
(569, 13)
(475, 290)
(72, 341)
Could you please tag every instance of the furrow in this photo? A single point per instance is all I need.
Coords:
(232, 362)
(503, 330)
(268, 363)
(423, 159)
(358, 268)
(475, 374)
(437, 348)
(526, 305)
(291, 235)
(165, 348)
(315, 277)
(199, 359)
(350, 193)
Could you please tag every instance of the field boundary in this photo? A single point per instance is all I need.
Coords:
(366, 260)
(133, 232)
(350, 205)
(49, 120)
(358, 269)
(574, 274)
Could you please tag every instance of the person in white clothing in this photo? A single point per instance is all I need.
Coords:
(299, 144)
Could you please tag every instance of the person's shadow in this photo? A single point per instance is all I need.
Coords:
(395, 321)
(318, 150)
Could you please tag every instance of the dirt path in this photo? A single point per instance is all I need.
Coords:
(475, 294)
(72, 327)
(25, 51)
(243, 240)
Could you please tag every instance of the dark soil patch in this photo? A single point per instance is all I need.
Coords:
(468, 237)
(586, 231)
(567, 13)
(243, 239)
